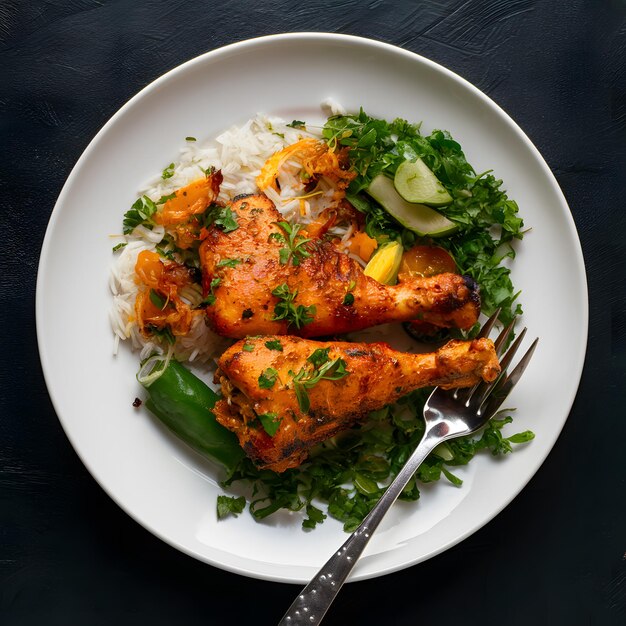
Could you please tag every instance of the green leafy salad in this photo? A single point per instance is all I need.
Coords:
(411, 189)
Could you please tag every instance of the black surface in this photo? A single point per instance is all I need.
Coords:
(556, 555)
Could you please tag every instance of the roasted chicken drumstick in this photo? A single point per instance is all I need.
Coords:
(242, 270)
(282, 395)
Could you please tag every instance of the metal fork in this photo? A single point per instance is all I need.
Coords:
(447, 414)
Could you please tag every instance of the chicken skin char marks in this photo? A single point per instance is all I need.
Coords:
(242, 268)
(269, 378)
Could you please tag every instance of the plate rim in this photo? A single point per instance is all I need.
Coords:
(266, 40)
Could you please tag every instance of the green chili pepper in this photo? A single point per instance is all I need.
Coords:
(183, 403)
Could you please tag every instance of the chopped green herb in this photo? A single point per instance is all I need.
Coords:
(295, 245)
(227, 505)
(323, 369)
(164, 199)
(229, 262)
(158, 300)
(274, 344)
(139, 214)
(168, 172)
(267, 378)
(119, 246)
(348, 299)
(248, 347)
(163, 333)
(220, 216)
(314, 516)
(319, 357)
(298, 315)
(210, 297)
(269, 422)
(297, 124)
(168, 254)
(190, 139)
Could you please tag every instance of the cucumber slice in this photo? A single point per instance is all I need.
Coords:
(416, 183)
(419, 218)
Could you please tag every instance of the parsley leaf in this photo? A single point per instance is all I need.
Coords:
(294, 315)
(229, 262)
(168, 172)
(227, 505)
(163, 333)
(267, 378)
(158, 300)
(140, 212)
(269, 422)
(323, 369)
(221, 216)
(295, 245)
(210, 297)
(164, 199)
(314, 516)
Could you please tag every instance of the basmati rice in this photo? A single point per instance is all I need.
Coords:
(240, 153)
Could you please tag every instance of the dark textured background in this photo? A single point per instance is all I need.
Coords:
(556, 555)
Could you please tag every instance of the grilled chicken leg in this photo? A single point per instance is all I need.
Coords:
(308, 391)
(241, 268)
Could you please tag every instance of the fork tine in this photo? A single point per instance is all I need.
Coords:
(483, 390)
(466, 394)
(504, 386)
(488, 325)
(484, 333)
(503, 337)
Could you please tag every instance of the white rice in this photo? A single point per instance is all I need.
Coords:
(239, 153)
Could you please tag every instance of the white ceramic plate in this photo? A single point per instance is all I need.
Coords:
(159, 482)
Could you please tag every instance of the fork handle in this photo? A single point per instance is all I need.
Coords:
(315, 599)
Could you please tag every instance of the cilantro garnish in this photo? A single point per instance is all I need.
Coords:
(314, 516)
(227, 505)
(164, 199)
(168, 172)
(269, 422)
(210, 297)
(158, 300)
(229, 262)
(274, 344)
(295, 244)
(221, 216)
(323, 369)
(286, 310)
(167, 254)
(267, 378)
(140, 213)
(163, 333)
(297, 124)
